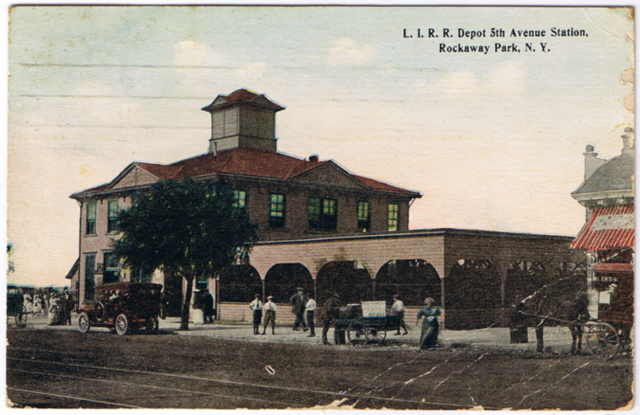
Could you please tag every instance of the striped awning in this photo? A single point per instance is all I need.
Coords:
(610, 227)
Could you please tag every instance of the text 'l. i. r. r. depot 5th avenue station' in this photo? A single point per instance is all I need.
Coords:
(528, 35)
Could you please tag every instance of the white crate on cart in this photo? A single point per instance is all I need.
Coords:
(374, 309)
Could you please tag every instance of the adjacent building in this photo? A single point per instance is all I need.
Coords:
(608, 235)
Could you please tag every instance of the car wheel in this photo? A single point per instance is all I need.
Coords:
(122, 325)
(84, 323)
(152, 326)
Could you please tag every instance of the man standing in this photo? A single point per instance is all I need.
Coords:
(256, 306)
(69, 305)
(270, 315)
(209, 306)
(298, 300)
(397, 310)
(328, 313)
(311, 316)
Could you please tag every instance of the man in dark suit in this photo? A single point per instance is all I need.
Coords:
(209, 307)
(299, 301)
(329, 310)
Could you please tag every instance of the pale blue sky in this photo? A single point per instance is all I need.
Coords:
(492, 141)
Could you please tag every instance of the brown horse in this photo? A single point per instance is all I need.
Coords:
(570, 310)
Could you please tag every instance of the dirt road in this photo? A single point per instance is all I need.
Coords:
(66, 369)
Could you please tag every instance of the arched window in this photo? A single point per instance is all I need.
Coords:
(282, 281)
(352, 284)
(414, 280)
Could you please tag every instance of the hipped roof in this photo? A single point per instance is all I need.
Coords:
(243, 162)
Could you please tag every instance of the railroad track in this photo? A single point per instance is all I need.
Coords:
(87, 385)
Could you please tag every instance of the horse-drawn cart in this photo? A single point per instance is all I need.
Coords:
(601, 338)
(15, 305)
(365, 323)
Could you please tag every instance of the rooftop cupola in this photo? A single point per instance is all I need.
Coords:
(243, 119)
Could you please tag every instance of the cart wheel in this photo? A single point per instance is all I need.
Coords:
(21, 318)
(84, 323)
(375, 336)
(122, 325)
(356, 335)
(602, 340)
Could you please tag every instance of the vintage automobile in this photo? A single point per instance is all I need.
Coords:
(15, 306)
(124, 307)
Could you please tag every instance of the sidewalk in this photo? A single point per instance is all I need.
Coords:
(556, 338)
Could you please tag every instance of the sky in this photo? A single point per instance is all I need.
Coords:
(492, 141)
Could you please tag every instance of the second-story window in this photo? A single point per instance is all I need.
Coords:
(364, 216)
(392, 218)
(323, 213)
(277, 210)
(113, 216)
(91, 218)
(239, 199)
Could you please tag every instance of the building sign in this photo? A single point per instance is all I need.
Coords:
(605, 222)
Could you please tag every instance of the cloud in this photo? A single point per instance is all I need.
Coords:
(508, 79)
(459, 83)
(349, 52)
(190, 53)
(253, 70)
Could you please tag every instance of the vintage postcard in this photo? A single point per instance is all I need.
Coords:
(320, 207)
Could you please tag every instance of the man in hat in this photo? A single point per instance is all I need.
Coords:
(329, 310)
(209, 306)
(298, 302)
(256, 306)
(269, 315)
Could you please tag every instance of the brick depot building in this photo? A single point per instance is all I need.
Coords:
(323, 228)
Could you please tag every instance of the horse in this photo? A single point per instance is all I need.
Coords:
(570, 310)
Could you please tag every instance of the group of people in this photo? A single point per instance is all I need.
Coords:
(60, 308)
(430, 323)
(204, 310)
(56, 306)
(304, 309)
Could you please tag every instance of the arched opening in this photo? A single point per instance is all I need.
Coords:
(472, 295)
(352, 283)
(413, 279)
(282, 280)
(239, 284)
(524, 278)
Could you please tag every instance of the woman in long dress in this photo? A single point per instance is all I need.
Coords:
(37, 304)
(198, 312)
(430, 324)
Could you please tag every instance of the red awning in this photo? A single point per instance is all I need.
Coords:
(610, 227)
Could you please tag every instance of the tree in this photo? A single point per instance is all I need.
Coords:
(185, 227)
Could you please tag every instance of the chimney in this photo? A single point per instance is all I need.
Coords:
(629, 141)
(313, 158)
(591, 161)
